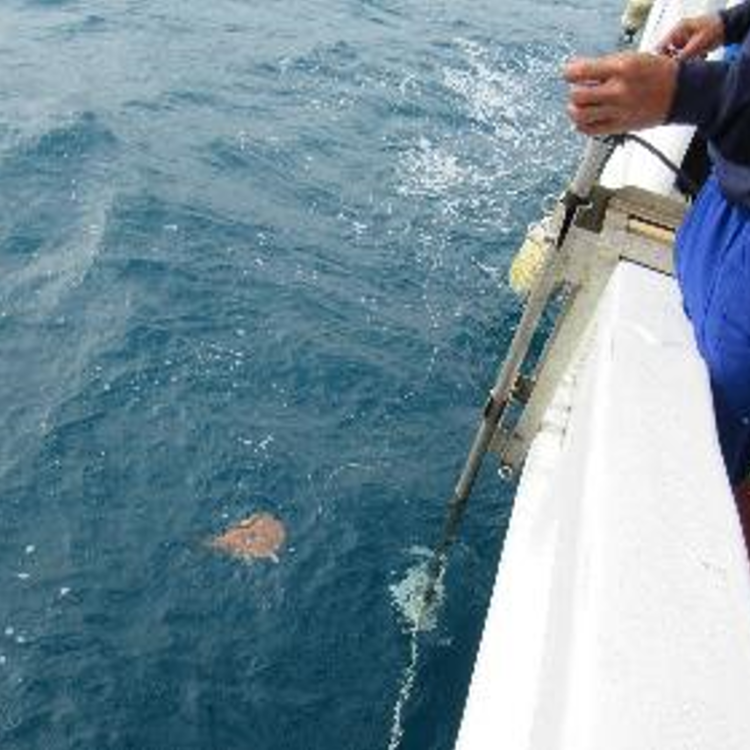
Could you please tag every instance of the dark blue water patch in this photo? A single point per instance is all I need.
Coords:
(172, 292)
(318, 662)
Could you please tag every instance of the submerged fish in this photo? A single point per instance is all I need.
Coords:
(256, 537)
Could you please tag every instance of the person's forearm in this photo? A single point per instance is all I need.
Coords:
(715, 96)
(698, 94)
(736, 22)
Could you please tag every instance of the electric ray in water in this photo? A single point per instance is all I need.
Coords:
(259, 536)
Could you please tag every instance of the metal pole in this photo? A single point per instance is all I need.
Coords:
(595, 158)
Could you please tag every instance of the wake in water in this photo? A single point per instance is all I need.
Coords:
(417, 598)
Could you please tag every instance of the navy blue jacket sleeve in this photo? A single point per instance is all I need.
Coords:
(715, 96)
(736, 22)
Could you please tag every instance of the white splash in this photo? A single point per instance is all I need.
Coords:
(431, 170)
(404, 693)
(417, 597)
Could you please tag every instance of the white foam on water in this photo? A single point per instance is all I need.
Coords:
(408, 678)
(431, 170)
(417, 598)
(410, 595)
(524, 133)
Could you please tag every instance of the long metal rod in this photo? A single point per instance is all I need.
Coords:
(508, 374)
(597, 153)
(500, 394)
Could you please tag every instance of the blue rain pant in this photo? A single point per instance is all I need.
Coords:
(713, 267)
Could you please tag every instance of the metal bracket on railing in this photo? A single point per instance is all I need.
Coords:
(629, 224)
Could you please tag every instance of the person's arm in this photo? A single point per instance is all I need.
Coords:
(715, 97)
(736, 22)
(632, 91)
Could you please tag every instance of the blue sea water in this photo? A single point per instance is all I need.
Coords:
(252, 258)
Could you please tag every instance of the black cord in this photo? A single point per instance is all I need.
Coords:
(689, 185)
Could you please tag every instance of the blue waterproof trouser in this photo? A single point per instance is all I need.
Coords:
(713, 267)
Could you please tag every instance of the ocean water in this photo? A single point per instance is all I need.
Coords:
(253, 258)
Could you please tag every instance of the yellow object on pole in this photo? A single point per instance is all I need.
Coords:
(530, 259)
(635, 16)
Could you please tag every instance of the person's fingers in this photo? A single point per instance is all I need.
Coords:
(677, 38)
(584, 96)
(586, 70)
(591, 115)
(693, 37)
(593, 123)
(600, 127)
(600, 94)
(695, 47)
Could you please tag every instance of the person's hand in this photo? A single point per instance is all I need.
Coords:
(693, 37)
(619, 93)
